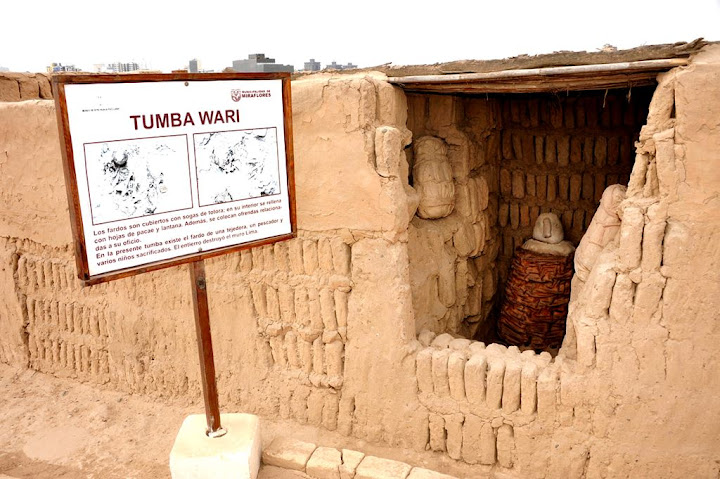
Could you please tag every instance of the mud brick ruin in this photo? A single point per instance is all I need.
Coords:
(415, 186)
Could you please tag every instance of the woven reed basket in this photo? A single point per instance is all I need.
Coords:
(537, 294)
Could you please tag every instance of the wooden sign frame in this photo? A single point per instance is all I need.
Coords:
(59, 83)
(120, 168)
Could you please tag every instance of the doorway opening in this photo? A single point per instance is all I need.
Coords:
(486, 166)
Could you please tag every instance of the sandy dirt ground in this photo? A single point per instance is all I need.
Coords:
(57, 428)
(53, 428)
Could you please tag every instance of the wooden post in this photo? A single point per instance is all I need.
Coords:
(205, 351)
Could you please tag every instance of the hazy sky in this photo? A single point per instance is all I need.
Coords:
(166, 34)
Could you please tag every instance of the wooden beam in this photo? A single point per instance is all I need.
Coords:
(538, 85)
(572, 78)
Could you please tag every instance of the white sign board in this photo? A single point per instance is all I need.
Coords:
(174, 169)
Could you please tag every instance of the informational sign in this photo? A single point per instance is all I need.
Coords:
(165, 169)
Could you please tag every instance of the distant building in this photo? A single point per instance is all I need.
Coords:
(335, 66)
(194, 66)
(258, 62)
(311, 66)
(123, 67)
(59, 67)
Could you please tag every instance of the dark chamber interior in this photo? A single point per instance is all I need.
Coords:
(545, 152)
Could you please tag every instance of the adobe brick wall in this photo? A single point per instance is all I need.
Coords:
(633, 391)
(558, 154)
(24, 86)
(514, 157)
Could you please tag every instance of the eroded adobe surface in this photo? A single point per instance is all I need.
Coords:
(324, 328)
(513, 157)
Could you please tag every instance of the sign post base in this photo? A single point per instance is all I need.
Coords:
(235, 455)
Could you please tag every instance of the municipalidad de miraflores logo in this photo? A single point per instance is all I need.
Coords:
(236, 95)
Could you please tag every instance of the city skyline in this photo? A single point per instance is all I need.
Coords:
(377, 34)
(194, 65)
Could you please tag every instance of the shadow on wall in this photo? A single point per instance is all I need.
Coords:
(498, 162)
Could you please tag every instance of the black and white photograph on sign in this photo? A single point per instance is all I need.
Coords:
(139, 177)
(236, 165)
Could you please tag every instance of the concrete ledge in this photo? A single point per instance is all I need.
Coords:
(324, 463)
(420, 473)
(235, 455)
(350, 461)
(288, 453)
(377, 468)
